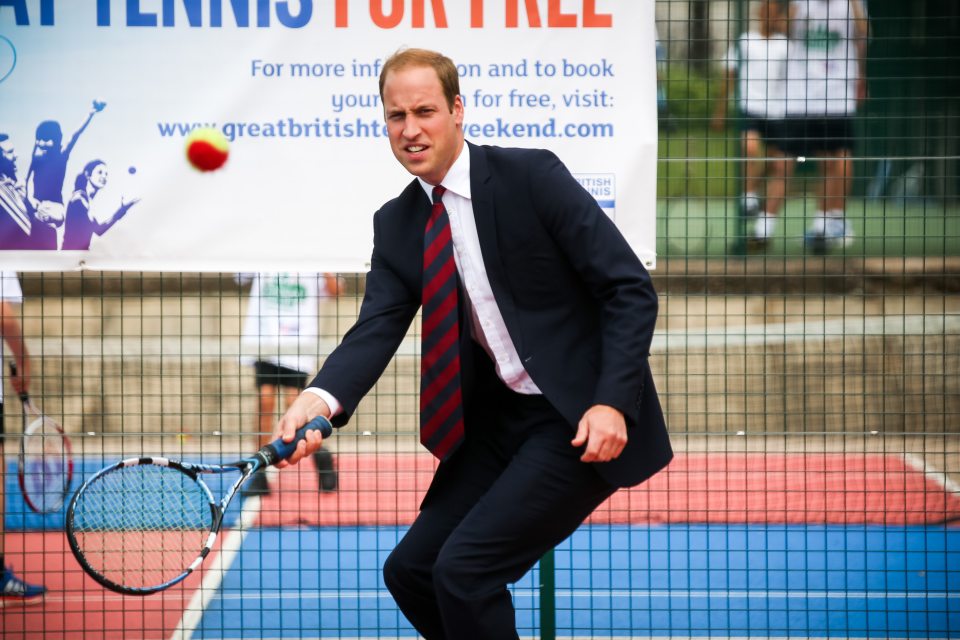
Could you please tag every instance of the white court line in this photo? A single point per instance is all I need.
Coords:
(213, 575)
(937, 476)
(751, 594)
(526, 594)
(666, 636)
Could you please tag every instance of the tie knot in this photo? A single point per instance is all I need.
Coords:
(438, 192)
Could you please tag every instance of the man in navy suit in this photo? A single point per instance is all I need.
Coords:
(556, 316)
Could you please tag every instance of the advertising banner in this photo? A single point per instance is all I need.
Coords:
(97, 98)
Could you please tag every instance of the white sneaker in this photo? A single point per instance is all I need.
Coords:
(764, 226)
(838, 233)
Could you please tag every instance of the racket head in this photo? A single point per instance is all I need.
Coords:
(142, 525)
(45, 464)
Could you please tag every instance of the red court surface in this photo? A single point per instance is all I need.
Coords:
(78, 607)
(827, 488)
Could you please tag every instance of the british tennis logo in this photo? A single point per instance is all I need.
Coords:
(603, 188)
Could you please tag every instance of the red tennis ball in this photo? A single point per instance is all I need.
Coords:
(207, 149)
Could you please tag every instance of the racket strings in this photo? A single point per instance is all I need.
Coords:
(45, 465)
(142, 526)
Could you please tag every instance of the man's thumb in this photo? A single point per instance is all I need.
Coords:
(582, 431)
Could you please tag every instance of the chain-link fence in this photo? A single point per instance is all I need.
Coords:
(806, 354)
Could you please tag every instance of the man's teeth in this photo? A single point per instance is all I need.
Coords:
(416, 149)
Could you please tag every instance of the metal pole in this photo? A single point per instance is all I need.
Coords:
(548, 598)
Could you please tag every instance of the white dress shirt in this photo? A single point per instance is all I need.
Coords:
(487, 323)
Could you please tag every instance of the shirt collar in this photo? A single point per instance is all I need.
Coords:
(457, 179)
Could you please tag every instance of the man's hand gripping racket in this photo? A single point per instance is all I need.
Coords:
(142, 525)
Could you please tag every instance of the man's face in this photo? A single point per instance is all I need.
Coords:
(425, 136)
(42, 147)
(8, 160)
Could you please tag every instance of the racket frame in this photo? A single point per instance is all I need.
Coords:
(195, 472)
(268, 455)
(30, 429)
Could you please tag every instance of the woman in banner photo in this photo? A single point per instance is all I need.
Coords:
(536, 391)
(80, 224)
(280, 341)
(44, 182)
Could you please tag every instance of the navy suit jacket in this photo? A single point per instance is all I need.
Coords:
(578, 304)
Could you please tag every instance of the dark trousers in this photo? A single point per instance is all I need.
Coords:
(514, 490)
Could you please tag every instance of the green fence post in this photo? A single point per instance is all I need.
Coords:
(548, 598)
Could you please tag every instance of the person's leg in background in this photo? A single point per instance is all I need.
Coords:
(13, 590)
(265, 378)
(830, 228)
(274, 380)
(780, 170)
(754, 170)
(323, 458)
(838, 171)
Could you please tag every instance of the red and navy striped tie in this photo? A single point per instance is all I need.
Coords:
(441, 405)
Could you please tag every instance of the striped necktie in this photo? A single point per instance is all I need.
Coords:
(441, 406)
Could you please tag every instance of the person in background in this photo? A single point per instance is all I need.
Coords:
(282, 327)
(826, 83)
(13, 590)
(756, 68)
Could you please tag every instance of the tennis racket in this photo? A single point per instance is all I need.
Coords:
(45, 468)
(142, 525)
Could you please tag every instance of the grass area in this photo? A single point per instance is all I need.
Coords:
(697, 163)
(698, 181)
(711, 227)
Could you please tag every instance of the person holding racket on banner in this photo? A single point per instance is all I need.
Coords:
(536, 392)
(13, 590)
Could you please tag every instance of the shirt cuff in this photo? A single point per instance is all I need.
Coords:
(332, 402)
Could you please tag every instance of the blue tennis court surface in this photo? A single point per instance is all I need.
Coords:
(623, 581)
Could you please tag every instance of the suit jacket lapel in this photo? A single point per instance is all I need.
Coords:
(481, 193)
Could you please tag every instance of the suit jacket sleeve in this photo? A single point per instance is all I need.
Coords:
(388, 308)
(613, 274)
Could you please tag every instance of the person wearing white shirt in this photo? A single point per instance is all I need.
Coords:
(280, 342)
(826, 83)
(756, 69)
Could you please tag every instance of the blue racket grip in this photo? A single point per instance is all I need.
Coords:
(279, 450)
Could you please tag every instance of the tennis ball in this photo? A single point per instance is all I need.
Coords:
(207, 149)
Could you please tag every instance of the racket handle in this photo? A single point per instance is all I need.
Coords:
(279, 450)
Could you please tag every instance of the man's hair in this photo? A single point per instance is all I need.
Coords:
(50, 130)
(446, 70)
